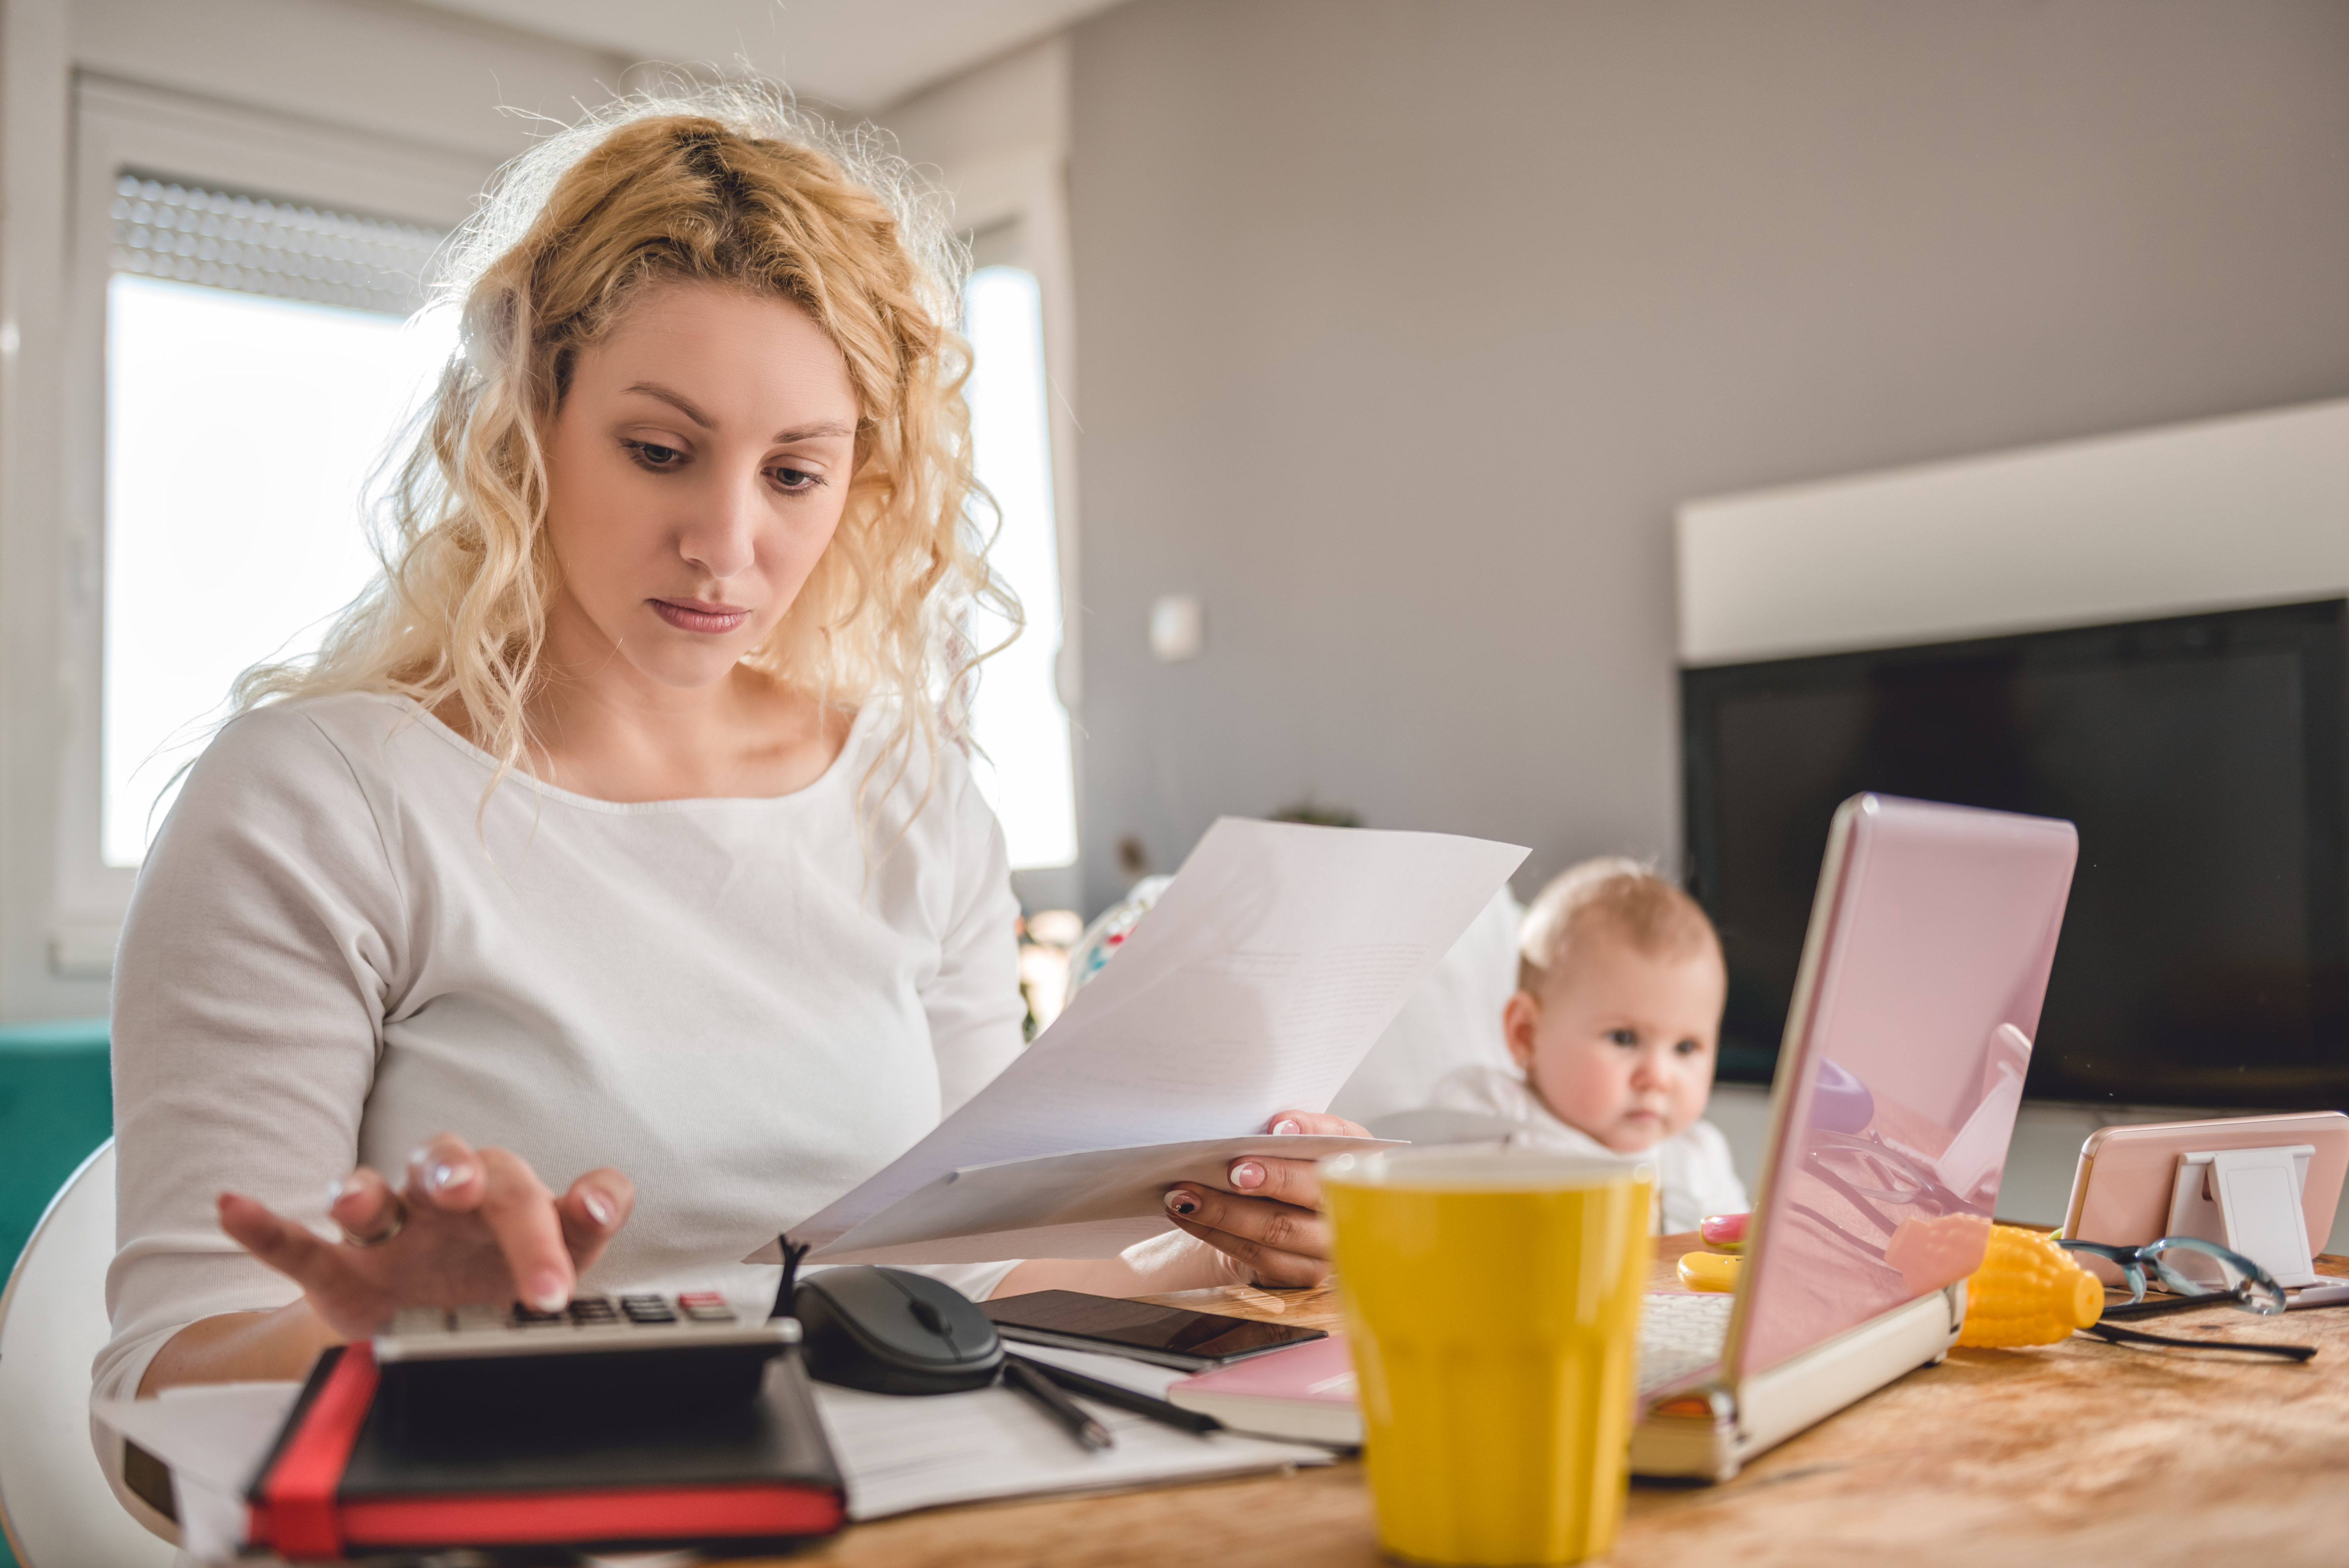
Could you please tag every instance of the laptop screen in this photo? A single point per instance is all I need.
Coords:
(1914, 1018)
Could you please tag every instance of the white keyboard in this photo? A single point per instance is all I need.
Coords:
(1681, 1333)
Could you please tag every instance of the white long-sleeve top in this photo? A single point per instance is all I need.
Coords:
(334, 951)
(1694, 1176)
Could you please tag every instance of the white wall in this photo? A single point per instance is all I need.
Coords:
(408, 71)
(1408, 328)
(407, 82)
(2246, 511)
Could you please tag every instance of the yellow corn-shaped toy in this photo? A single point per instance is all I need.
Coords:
(2028, 1291)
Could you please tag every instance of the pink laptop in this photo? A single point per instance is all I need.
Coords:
(1915, 1011)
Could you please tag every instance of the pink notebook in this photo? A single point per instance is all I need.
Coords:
(1307, 1392)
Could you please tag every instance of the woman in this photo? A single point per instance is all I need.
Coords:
(606, 896)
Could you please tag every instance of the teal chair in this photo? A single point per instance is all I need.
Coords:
(56, 1105)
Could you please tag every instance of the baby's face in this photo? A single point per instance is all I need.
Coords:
(1620, 1043)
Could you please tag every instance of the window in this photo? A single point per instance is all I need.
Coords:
(1025, 772)
(234, 360)
(258, 365)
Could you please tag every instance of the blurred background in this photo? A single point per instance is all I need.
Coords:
(1396, 405)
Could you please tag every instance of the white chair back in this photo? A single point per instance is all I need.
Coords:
(55, 1502)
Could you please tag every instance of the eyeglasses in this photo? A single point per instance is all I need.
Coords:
(2198, 1273)
(2191, 1269)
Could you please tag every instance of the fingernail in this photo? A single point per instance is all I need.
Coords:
(1182, 1202)
(450, 1173)
(601, 1209)
(1247, 1173)
(335, 1189)
(1287, 1127)
(547, 1293)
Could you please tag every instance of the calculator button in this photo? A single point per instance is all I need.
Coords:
(646, 1309)
(594, 1309)
(531, 1318)
(417, 1321)
(704, 1306)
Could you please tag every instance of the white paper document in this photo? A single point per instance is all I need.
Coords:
(1255, 985)
(1094, 1203)
(213, 1436)
(899, 1454)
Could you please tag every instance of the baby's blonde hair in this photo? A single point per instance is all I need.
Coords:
(728, 186)
(1616, 895)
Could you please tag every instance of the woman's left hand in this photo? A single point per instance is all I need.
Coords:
(1269, 1230)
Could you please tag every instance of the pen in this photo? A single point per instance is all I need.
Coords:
(1025, 1376)
(1125, 1399)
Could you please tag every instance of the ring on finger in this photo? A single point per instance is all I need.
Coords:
(394, 1221)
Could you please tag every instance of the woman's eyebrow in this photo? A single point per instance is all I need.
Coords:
(676, 400)
(809, 432)
(692, 410)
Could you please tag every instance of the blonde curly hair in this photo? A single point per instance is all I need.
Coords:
(732, 186)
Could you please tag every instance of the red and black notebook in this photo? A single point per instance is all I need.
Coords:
(346, 1479)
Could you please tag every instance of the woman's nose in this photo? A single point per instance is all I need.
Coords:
(721, 539)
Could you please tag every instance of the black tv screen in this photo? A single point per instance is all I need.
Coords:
(2205, 953)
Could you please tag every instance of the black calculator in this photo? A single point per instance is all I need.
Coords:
(621, 1357)
(591, 1325)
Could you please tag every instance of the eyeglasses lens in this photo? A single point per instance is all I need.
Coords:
(2192, 1272)
(2191, 1266)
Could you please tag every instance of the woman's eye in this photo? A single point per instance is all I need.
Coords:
(790, 479)
(651, 455)
(1622, 1036)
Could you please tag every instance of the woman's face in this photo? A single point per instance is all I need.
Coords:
(695, 471)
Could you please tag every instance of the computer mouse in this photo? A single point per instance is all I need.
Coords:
(894, 1332)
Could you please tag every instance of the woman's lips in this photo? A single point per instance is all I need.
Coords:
(693, 616)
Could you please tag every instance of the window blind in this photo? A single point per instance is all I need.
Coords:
(167, 228)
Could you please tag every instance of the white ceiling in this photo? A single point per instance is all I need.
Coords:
(857, 54)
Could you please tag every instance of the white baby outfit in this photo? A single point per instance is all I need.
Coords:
(1694, 1176)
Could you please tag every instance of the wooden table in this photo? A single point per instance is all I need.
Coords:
(2080, 1454)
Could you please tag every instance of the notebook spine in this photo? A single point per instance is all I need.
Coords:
(294, 1502)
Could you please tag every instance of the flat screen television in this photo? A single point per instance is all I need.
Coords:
(2205, 953)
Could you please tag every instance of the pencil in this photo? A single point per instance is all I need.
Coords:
(1160, 1410)
(1024, 1377)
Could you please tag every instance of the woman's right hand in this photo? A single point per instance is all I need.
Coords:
(466, 1225)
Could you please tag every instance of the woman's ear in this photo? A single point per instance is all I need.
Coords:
(1519, 1022)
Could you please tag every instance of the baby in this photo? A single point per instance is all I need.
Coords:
(1614, 1027)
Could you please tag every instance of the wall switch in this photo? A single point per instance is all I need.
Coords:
(1178, 627)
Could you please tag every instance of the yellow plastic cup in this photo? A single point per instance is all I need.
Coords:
(1493, 1299)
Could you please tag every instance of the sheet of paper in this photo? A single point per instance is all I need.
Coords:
(213, 1438)
(1255, 985)
(899, 1454)
(1092, 1205)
